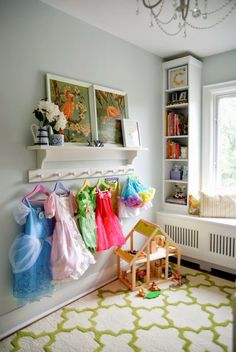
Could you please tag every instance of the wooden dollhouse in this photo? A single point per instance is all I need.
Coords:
(152, 259)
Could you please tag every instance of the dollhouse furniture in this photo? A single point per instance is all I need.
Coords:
(154, 255)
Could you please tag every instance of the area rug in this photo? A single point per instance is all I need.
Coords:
(194, 317)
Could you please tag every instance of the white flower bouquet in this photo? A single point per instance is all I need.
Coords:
(48, 114)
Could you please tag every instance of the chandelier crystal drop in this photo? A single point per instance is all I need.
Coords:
(173, 17)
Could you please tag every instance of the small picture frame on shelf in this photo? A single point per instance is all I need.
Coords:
(177, 77)
(183, 97)
(131, 133)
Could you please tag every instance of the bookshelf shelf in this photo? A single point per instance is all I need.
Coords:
(176, 181)
(176, 159)
(176, 106)
(181, 134)
(176, 89)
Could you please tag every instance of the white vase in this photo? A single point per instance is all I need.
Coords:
(40, 134)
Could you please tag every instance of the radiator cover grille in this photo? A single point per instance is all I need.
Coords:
(183, 236)
(222, 244)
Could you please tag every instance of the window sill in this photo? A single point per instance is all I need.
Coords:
(194, 218)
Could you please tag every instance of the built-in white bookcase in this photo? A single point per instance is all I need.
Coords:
(181, 127)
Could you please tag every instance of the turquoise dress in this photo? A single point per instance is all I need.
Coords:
(30, 253)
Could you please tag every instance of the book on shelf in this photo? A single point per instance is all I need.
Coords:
(172, 149)
(176, 124)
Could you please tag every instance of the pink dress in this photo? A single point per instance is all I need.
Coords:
(109, 231)
(69, 256)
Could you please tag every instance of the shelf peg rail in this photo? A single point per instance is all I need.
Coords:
(47, 175)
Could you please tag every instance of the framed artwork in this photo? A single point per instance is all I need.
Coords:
(131, 133)
(183, 96)
(74, 98)
(110, 110)
(178, 77)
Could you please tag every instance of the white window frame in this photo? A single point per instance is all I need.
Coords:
(211, 94)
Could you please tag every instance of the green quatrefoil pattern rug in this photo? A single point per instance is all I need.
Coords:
(195, 317)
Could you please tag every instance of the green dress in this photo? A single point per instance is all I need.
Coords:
(86, 200)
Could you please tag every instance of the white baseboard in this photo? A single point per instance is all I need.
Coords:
(23, 316)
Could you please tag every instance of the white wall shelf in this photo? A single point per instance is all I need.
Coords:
(72, 152)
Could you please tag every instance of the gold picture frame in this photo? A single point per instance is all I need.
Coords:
(178, 77)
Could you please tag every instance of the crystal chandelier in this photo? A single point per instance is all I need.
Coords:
(186, 13)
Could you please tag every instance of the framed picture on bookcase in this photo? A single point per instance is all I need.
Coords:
(177, 77)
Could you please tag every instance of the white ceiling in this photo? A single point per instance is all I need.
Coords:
(119, 18)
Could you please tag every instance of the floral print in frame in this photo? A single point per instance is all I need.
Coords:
(74, 99)
(110, 109)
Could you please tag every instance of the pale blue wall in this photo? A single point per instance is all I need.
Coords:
(35, 39)
(219, 68)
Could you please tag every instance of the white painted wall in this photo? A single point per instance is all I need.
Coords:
(36, 39)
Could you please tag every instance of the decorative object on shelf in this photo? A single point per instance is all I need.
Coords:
(178, 77)
(40, 134)
(51, 121)
(176, 173)
(74, 99)
(179, 196)
(194, 205)
(185, 173)
(179, 191)
(57, 139)
(110, 109)
(131, 133)
(183, 152)
(182, 9)
(95, 143)
(183, 97)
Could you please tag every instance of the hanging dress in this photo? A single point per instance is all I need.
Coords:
(69, 256)
(86, 200)
(109, 231)
(30, 253)
(134, 198)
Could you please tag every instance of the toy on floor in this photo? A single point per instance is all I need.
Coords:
(155, 249)
(152, 294)
(141, 292)
(154, 287)
(178, 280)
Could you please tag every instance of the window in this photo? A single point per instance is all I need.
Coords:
(219, 138)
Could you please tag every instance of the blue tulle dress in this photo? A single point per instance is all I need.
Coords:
(30, 253)
(135, 197)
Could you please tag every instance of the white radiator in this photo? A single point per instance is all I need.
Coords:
(208, 242)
